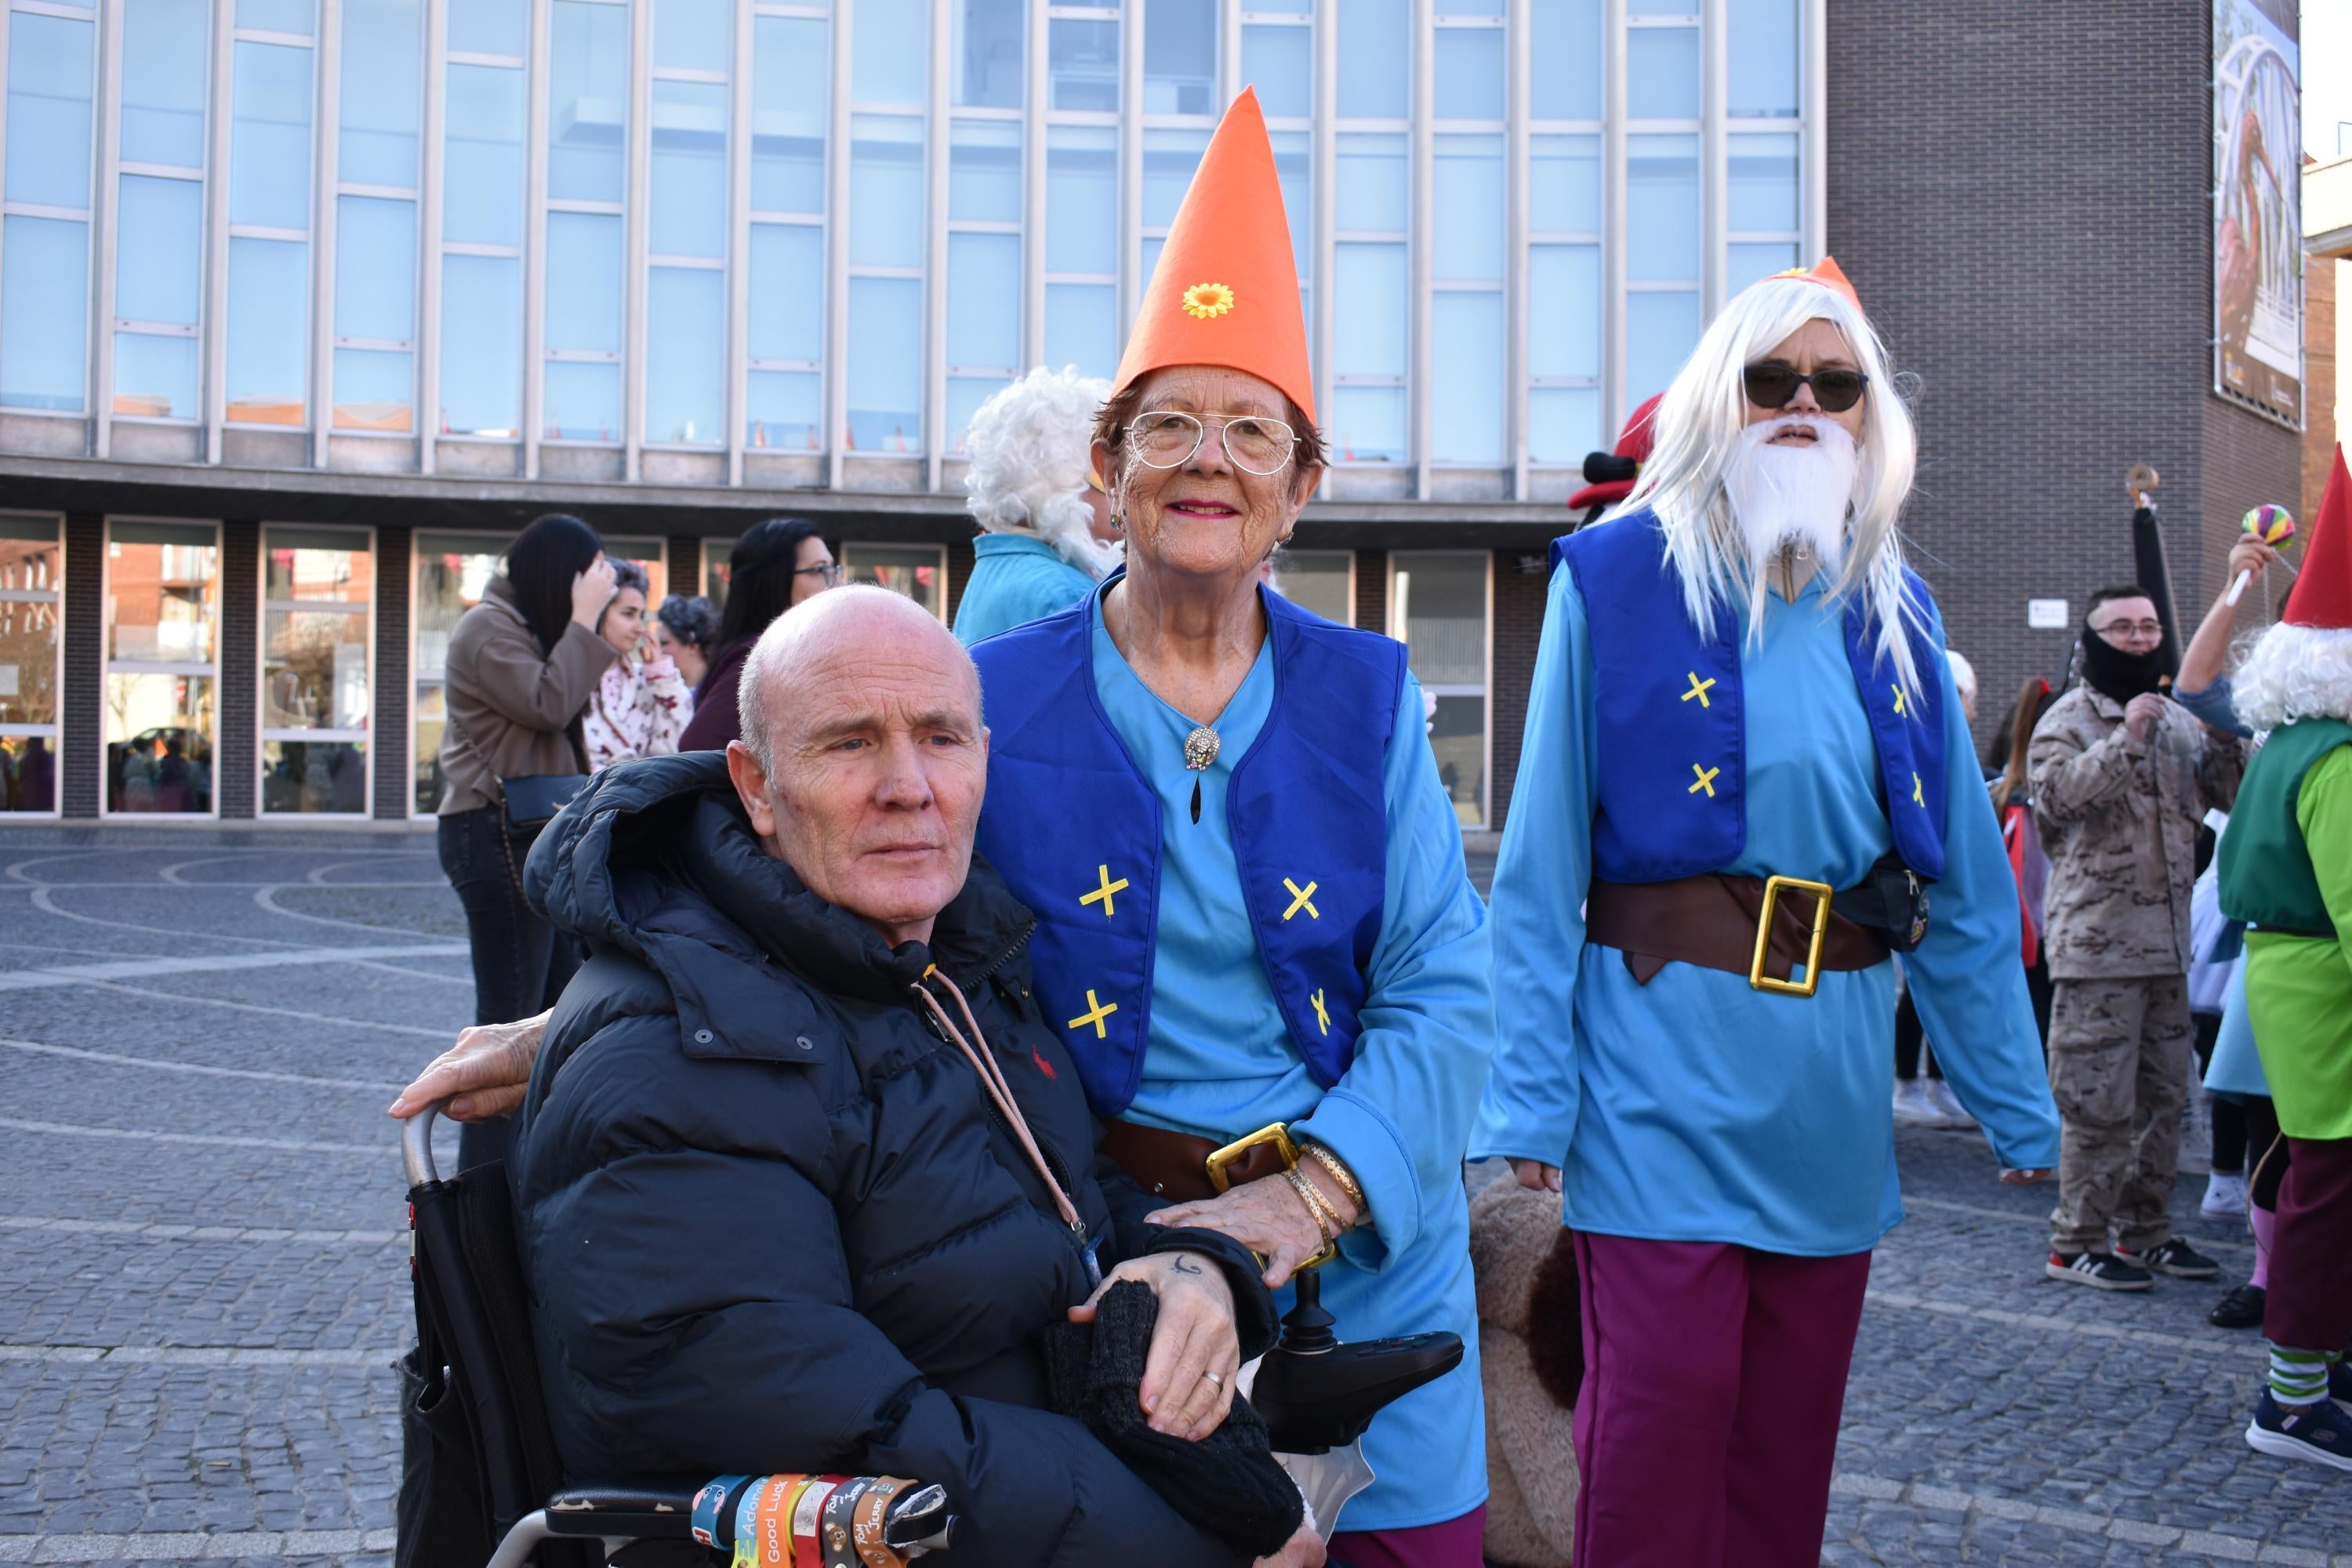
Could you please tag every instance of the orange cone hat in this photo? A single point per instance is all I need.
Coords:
(1829, 275)
(2321, 596)
(1226, 290)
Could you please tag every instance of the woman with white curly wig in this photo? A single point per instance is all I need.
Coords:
(1047, 536)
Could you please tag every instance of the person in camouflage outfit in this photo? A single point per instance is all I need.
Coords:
(2121, 778)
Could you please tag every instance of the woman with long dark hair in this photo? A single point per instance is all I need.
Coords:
(522, 668)
(776, 565)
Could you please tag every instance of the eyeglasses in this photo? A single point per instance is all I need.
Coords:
(1164, 438)
(830, 571)
(2117, 631)
(1774, 386)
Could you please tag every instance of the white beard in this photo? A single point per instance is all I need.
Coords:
(1792, 497)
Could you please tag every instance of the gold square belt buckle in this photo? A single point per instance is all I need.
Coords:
(1774, 888)
(1219, 1166)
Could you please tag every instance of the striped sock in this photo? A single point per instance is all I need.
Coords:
(2300, 1377)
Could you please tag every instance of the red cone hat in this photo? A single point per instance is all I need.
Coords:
(1225, 291)
(2321, 596)
(1640, 433)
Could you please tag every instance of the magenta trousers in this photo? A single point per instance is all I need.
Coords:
(1706, 1425)
(1453, 1544)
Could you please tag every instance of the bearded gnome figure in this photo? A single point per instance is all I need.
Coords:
(2287, 871)
(1742, 709)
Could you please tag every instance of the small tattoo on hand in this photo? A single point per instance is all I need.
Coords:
(1182, 1266)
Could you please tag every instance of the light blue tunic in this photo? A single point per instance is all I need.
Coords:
(1017, 578)
(1698, 1109)
(1219, 1062)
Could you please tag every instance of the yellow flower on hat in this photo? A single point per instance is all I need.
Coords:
(1206, 301)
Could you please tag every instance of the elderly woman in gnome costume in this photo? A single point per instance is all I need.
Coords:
(1250, 887)
(1046, 535)
(2287, 871)
(1739, 681)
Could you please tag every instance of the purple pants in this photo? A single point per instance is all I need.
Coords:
(2310, 1303)
(1707, 1422)
(1453, 1544)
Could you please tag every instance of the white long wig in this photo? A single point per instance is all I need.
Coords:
(1030, 446)
(2294, 672)
(1697, 427)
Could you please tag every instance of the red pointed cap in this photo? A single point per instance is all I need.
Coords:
(2321, 596)
(1829, 275)
(1639, 434)
(1225, 291)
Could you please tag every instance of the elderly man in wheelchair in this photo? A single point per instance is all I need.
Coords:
(801, 1180)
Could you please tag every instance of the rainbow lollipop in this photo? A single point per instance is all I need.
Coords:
(2274, 525)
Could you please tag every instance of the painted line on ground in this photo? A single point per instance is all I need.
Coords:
(161, 1230)
(108, 1058)
(48, 905)
(2220, 1340)
(198, 1355)
(2132, 1531)
(465, 980)
(208, 1139)
(178, 887)
(331, 1019)
(1944, 1205)
(266, 898)
(191, 1546)
(211, 963)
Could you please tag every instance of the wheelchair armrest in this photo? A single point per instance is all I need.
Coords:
(642, 1511)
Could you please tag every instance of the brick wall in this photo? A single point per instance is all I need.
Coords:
(81, 707)
(236, 745)
(1519, 598)
(2319, 435)
(1372, 590)
(961, 561)
(2022, 194)
(683, 557)
(394, 577)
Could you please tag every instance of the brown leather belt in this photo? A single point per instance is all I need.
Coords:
(1175, 1166)
(1711, 920)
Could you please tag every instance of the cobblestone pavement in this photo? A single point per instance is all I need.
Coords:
(203, 1281)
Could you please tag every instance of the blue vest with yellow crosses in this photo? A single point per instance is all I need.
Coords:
(1670, 740)
(1074, 828)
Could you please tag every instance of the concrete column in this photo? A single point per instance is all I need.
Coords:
(394, 578)
(235, 746)
(81, 702)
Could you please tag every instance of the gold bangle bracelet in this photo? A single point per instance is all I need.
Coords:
(1330, 1161)
(1318, 1207)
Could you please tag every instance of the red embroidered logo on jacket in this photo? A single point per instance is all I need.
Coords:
(1043, 1065)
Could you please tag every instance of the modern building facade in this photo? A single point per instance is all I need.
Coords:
(306, 305)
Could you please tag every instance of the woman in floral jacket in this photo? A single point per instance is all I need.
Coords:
(642, 704)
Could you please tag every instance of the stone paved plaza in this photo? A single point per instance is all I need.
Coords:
(204, 1278)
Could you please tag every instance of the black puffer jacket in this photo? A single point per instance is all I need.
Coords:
(769, 1219)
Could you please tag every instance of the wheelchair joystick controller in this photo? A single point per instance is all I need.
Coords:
(1317, 1393)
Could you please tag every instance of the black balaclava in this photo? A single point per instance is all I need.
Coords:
(2123, 676)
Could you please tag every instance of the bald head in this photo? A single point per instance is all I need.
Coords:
(863, 761)
(809, 644)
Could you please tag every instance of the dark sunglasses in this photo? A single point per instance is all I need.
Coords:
(1775, 386)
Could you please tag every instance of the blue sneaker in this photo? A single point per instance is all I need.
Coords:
(2321, 1432)
(2339, 1380)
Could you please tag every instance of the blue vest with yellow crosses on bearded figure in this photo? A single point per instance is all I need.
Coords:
(1075, 829)
(1670, 746)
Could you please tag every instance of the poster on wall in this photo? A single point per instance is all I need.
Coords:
(2258, 208)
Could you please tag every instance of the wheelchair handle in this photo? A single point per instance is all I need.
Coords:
(416, 1145)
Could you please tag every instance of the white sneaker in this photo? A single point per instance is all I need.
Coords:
(2225, 1196)
(1948, 1103)
(1914, 1107)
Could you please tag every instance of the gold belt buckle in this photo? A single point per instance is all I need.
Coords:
(1774, 888)
(1219, 1165)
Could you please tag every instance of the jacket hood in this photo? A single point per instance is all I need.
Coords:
(657, 860)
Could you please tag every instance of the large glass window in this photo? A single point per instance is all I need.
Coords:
(1278, 59)
(587, 101)
(917, 571)
(686, 356)
(32, 566)
(582, 394)
(382, 92)
(985, 292)
(988, 70)
(1437, 607)
(1466, 377)
(1371, 298)
(587, 138)
(1564, 74)
(1180, 57)
(693, 35)
(375, 314)
(452, 572)
(1564, 353)
(1082, 59)
(161, 652)
(1469, 72)
(1322, 581)
(689, 169)
(165, 46)
(45, 252)
(482, 191)
(159, 247)
(268, 369)
(884, 366)
(1763, 38)
(886, 200)
(268, 331)
(481, 345)
(889, 55)
(1662, 208)
(318, 595)
(789, 84)
(269, 137)
(1375, 60)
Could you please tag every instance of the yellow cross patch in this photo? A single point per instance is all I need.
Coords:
(1698, 690)
(1321, 1017)
(1706, 781)
(1898, 699)
(1097, 1012)
(1102, 895)
(1298, 900)
(1918, 792)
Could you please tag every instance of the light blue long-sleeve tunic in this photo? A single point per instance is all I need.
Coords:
(1017, 578)
(1219, 1062)
(1699, 1109)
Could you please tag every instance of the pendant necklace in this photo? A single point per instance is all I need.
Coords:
(1199, 751)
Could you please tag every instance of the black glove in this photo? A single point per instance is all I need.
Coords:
(1229, 1483)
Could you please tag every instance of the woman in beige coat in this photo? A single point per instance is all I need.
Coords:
(523, 667)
